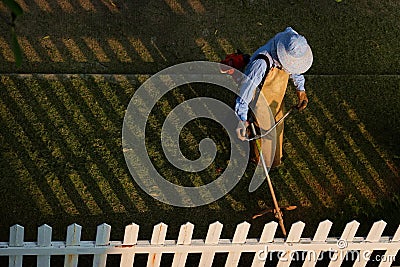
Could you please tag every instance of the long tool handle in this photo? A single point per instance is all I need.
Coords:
(271, 188)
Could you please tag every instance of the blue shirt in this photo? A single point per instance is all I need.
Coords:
(255, 71)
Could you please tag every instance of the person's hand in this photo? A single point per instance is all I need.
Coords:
(241, 130)
(303, 100)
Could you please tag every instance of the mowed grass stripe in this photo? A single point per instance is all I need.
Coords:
(310, 134)
(341, 157)
(288, 187)
(29, 51)
(365, 170)
(18, 161)
(92, 103)
(55, 118)
(110, 94)
(51, 177)
(299, 156)
(103, 150)
(382, 154)
(60, 133)
(7, 53)
(358, 146)
(325, 171)
(109, 153)
(328, 154)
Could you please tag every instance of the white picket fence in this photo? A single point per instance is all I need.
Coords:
(293, 247)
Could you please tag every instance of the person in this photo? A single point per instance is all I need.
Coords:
(286, 55)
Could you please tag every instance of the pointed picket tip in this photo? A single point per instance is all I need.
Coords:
(44, 235)
(298, 225)
(241, 232)
(214, 232)
(188, 224)
(131, 234)
(352, 224)
(132, 226)
(16, 226)
(350, 230)
(325, 225)
(295, 232)
(244, 226)
(73, 234)
(161, 227)
(376, 231)
(16, 235)
(45, 229)
(74, 229)
(270, 224)
(323, 230)
(268, 233)
(74, 226)
(187, 227)
(380, 224)
(216, 223)
(103, 226)
(185, 234)
(161, 224)
(327, 221)
(355, 222)
(244, 223)
(103, 234)
(159, 233)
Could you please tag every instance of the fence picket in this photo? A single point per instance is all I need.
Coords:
(102, 239)
(346, 245)
(347, 235)
(320, 236)
(130, 239)
(212, 238)
(267, 236)
(268, 233)
(16, 240)
(73, 239)
(238, 238)
(293, 237)
(157, 238)
(390, 254)
(373, 236)
(184, 238)
(44, 240)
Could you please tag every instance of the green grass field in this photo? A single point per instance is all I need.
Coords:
(61, 114)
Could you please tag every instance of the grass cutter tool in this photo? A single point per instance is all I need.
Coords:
(276, 210)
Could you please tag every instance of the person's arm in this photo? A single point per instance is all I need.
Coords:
(255, 73)
(299, 81)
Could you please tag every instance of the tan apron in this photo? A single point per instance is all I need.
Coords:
(273, 91)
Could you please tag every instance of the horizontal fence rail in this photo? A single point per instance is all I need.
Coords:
(293, 247)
